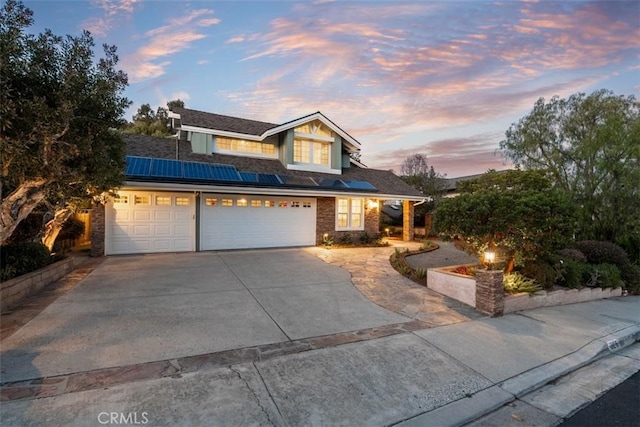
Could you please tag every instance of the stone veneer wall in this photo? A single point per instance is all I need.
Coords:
(97, 229)
(14, 291)
(407, 220)
(490, 292)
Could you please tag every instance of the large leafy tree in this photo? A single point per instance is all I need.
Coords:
(591, 147)
(59, 109)
(519, 213)
(154, 123)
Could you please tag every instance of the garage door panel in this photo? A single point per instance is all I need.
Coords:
(256, 226)
(159, 225)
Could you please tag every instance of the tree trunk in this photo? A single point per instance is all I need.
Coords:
(53, 227)
(18, 205)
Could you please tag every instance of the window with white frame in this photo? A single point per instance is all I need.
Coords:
(349, 214)
(307, 151)
(244, 146)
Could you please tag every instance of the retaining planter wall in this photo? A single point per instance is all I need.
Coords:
(456, 286)
(463, 288)
(14, 291)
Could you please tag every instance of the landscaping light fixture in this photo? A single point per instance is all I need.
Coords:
(489, 258)
(372, 204)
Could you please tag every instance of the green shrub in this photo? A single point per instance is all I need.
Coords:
(574, 274)
(72, 229)
(545, 271)
(421, 273)
(572, 254)
(605, 276)
(631, 277)
(345, 239)
(631, 244)
(516, 282)
(427, 244)
(22, 258)
(598, 252)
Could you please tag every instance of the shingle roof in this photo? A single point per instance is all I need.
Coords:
(146, 146)
(219, 122)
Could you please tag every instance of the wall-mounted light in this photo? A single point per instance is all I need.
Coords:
(372, 204)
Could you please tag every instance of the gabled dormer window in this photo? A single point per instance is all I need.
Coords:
(312, 143)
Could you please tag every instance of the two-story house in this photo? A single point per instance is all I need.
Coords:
(228, 183)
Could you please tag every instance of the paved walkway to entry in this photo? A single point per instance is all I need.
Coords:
(373, 275)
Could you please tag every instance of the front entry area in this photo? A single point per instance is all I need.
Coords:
(256, 221)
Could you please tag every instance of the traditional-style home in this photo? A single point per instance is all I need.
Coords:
(229, 183)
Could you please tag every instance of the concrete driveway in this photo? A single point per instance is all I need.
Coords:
(136, 309)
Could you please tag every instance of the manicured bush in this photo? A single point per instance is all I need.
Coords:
(605, 276)
(22, 258)
(631, 278)
(572, 254)
(574, 274)
(598, 252)
(545, 271)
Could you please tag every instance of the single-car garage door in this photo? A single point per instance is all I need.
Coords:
(237, 221)
(146, 222)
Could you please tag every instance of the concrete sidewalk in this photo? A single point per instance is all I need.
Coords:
(448, 375)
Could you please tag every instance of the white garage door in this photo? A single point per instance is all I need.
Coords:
(236, 221)
(146, 222)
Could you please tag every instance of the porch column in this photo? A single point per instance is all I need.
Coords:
(407, 220)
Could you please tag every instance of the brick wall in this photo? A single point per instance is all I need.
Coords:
(326, 221)
(97, 229)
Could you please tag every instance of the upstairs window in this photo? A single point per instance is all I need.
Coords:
(307, 151)
(244, 146)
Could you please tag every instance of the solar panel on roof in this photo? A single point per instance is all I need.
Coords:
(332, 183)
(298, 180)
(249, 176)
(264, 178)
(166, 168)
(225, 173)
(360, 185)
(138, 166)
(197, 170)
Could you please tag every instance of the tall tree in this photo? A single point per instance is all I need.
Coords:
(59, 109)
(416, 172)
(591, 147)
(148, 122)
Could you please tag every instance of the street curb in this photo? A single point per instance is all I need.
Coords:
(466, 410)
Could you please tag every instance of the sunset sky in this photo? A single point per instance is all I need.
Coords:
(444, 79)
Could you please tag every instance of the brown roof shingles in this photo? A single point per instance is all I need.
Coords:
(224, 123)
(146, 146)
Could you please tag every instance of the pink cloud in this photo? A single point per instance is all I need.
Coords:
(179, 34)
(113, 12)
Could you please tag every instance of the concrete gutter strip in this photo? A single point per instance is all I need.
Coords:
(537, 377)
(462, 411)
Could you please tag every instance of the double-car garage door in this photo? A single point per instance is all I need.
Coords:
(147, 222)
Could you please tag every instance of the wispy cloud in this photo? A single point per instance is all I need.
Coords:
(113, 11)
(420, 67)
(149, 61)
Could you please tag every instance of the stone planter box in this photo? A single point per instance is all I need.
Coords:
(463, 288)
(456, 286)
(14, 291)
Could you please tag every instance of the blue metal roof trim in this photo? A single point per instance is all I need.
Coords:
(165, 168)
(138, 166)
